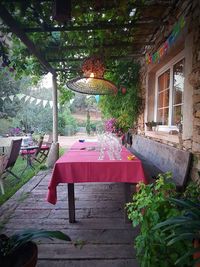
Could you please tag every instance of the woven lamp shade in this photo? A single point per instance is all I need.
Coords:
(92, 82)
(92, 86)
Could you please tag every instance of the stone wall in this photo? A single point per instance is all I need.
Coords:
(193, 143)
(194, 80)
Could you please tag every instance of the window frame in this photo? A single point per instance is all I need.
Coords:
(169, 66)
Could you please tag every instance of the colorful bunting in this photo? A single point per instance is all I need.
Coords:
(26, 98)
(20, 96)
(51, 103)
(11, 97)
(44, 103)
(32, 99)
(154, 58)
(97, 98)
(38, 101)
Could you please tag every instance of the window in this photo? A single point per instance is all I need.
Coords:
(163, 97)
(169, 96)
(178, 85)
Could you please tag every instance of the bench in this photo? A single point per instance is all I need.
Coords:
(160, 158)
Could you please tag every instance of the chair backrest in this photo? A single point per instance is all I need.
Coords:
(37, 151)
(14, 153)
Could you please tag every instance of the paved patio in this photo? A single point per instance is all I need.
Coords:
(99, 238)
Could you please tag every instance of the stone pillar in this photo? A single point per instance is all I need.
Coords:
(54, 150)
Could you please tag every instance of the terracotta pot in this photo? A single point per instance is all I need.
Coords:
(196, 255)
(25, 256)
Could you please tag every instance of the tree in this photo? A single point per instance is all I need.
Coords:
(8, 87)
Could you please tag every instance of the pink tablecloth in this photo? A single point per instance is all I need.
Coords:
(82, 165)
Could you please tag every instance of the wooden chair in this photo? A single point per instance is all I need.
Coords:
(49, 141)
(42, 152)
(38, 154)
(8, 161)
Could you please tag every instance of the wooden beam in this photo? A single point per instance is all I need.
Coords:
(127, 57)
(15, 28)
(99, 26)
(112, 45)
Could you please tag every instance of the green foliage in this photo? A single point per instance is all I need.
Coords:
(65, 94)
(150, 206)
(192, 191)
(29, 14)
(9, 245)
(124, 107)
(71, 44)
(66, 123)
(61, 123)
(11, 185)
(79, 103)
(184, 227)
(5, 124)
(9, 86)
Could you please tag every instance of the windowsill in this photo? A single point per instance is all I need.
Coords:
(163, 136)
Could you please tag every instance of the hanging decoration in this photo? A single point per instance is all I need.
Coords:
(123, 90)
(97, 98)
(30, 99)
(92, 82)
(38, 101)
(11, 97)
(26, 98)
(44, 103)
(155, 57)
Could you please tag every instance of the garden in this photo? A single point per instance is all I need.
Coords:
(169, 223)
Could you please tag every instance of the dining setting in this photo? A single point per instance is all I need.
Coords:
(104, 159)
(27, 148)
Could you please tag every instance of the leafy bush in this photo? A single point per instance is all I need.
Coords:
(192, 191)
(125, 107)
(150, 206)
(5, 124)
(185, 227)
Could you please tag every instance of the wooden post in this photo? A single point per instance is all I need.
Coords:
(55, 109)
(71, 203)
(54, 150)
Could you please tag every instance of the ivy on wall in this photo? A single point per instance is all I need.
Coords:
(125, 105)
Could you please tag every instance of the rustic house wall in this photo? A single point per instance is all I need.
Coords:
(194, 80)
(189, 42)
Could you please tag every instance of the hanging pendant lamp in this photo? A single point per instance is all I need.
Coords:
(92, 81)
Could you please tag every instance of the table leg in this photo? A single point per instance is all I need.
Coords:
(71, 203)
(29, 161)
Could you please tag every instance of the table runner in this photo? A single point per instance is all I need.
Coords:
(81, 164)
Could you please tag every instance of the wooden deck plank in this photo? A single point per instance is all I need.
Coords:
(87, 251)
(108, 240)
(89, 263)
(88, 223)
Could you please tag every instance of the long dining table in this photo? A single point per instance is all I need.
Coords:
(81, 164)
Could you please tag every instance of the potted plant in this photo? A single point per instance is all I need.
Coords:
(19, 250)
(151, 125)
(185, 227)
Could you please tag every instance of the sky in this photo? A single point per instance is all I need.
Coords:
(47, 81)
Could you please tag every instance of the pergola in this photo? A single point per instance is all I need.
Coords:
(61, 34)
